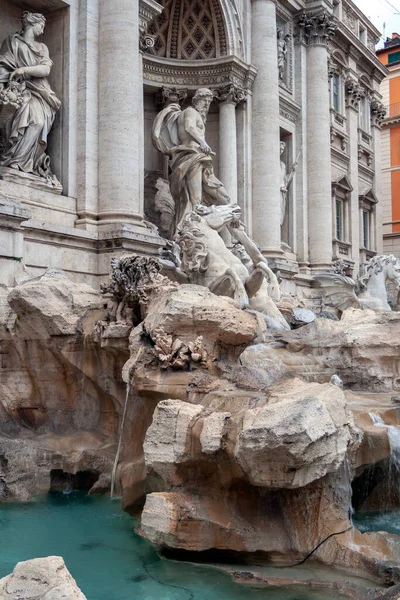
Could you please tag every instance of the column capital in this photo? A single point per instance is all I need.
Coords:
(148, 9)
(315, 28)
(378, 112)
(231, 94)
(169, 95)
(354, 93)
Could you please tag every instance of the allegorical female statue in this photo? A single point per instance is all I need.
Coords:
(27, 100)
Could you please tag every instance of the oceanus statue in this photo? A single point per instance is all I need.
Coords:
(369, 289)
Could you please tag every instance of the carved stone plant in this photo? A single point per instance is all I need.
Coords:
(133, 280)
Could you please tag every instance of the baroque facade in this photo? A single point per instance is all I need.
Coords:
(389, 56)
(295, 126)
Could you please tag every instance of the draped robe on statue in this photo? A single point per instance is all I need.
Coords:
(33, 120)
(185, 162)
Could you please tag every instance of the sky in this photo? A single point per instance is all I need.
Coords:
(382, 12)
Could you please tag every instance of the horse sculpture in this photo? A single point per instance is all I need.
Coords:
(207, 261)
(368, 291)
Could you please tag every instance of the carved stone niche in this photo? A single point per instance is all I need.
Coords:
(55, 37)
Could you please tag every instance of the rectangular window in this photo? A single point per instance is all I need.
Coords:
(365, 216)
(339, 220)
(364, 115)
(362, 34)
(394, 57)
(336, 92)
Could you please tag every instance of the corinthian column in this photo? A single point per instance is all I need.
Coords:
(121, 34)
(229, 96)
(316, 31)
(265, 128)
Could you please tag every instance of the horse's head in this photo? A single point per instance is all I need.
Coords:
(218, 216)
(393, 270)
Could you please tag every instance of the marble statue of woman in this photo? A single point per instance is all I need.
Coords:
(26, 62)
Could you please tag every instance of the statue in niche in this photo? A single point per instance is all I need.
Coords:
(180, 134)
(28, 105)
(283, 48)
(286, 180)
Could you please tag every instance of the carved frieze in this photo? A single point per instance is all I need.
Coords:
(316, 28)
(187, 74)
(349, 19)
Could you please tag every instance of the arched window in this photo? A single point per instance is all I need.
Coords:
(189, 30)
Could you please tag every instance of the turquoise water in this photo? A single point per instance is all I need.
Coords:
(378, 521)
(105, 556)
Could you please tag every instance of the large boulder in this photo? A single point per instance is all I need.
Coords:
(40, 579)
(53, 305)
(302, 434)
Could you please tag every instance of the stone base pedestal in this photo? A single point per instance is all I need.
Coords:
(28, 179)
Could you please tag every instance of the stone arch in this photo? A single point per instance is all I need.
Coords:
(195, 30)
(340, 58)
(366, 82)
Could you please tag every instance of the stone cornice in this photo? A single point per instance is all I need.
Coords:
(359, 51)
(313, 28)
(192, 74)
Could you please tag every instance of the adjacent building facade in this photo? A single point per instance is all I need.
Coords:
(389, 56)
(302, 72)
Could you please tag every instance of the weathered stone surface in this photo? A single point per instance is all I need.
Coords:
(54, 305)
(40, 579)
(193, 310)
(299, 436)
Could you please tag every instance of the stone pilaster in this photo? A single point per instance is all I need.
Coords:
(378, 113)
(353, 97)
(315, 31)
(265, 128)
(121, 173)
(229, 97)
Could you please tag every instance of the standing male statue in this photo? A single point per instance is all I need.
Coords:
(180, 134)
(286, 180)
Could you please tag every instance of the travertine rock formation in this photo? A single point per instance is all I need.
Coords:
(234, 439)
(40, 579)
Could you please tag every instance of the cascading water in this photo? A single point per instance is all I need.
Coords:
(394, 459)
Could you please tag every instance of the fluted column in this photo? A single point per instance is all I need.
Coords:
(316, 31)
(229, 96)
(265, 128)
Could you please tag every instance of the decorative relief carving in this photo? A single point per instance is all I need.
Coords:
(372, 41)
(189, 30)
(354, 93)
(316, 28)
(350, 19)
(167, 95)
(214, 73)
(148, 10)
(232, 93)
(378, 112)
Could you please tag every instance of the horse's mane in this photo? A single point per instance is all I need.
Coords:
(373, 266)
(193, 245)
